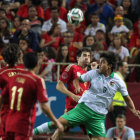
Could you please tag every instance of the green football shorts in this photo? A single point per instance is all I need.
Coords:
(93, 122)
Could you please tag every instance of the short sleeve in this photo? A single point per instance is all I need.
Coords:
(131, 134)
(88, 76)
(42, 95)
(67, 74)
(109, 133)
(122, 88)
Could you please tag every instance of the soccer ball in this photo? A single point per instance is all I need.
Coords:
(75, 16)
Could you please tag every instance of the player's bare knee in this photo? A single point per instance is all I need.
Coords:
(64, 122)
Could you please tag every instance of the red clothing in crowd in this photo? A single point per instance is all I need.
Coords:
(23, 11)
(134, 41)
(48, 38)
(72, 53)
(73, 2)
(62, 11)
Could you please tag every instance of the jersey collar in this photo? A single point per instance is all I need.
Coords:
(112, 74)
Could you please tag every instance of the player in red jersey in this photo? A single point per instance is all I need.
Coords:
(11, 54)
(24, 90)
(68, 77)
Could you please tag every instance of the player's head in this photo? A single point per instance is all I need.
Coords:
(11, 54)
(84, 57)
(30, 60)
(120, 121)
(107, 62)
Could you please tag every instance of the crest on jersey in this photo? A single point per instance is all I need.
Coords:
(112, 83)
(65, 75)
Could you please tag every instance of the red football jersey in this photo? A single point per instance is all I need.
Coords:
(24, 90)
(69, 74)
(5, 76)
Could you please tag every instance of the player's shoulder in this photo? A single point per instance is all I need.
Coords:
(71, 66)
(7, 69)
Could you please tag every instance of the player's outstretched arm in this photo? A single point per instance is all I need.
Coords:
(47, 111)
(62, 88)
(131, 106)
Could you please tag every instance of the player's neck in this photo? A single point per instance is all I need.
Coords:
(83, 66)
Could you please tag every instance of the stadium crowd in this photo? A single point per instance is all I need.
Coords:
(41, 26)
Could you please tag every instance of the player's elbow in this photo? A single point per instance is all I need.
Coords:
(59, 85)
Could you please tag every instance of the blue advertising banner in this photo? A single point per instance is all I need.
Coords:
(56, 103)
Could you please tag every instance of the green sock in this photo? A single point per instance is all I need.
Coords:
(50, 126)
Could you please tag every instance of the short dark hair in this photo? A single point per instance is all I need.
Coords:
(11, 54)
(30, 60)
(110, 58)
(81, 51)
(54, 8)
(122, 116)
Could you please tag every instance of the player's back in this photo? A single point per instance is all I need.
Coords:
(23, 93)
(5, 76)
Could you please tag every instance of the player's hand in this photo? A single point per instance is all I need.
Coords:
(136, 113)
(59, 126)
(76, 98)
(78, 90)
(94, 65)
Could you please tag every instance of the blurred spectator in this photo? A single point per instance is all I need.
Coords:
(63, 56)
(78, 2)
(135, 38)
(88, 41)
(36, 22)
(52, 38)
(135, 71)
(24, 45)
(127, 22)
(112, 3)
(129, 12)
(58, 4)
(120, 132)
(95, 25)
(97, 48)
(5, 33)
(118, 105)
(68, 40)
(54, 20)
(119, 26)
(16, 24)
(100, 37)
(2, 13)
(118, 48)
(102, 8)
(134, 3)
(46, 71)
(77, 38)
(23, 10)
(45, 4)
(27, 33)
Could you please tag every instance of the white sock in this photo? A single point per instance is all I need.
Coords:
(42, 129)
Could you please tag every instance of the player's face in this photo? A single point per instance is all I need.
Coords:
(120, 122)
(103, 66)
(85, 58)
